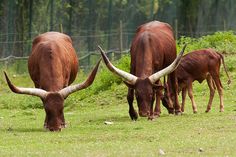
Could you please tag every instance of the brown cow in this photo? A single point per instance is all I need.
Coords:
(53, 65)
(200, 65)
(153, 48)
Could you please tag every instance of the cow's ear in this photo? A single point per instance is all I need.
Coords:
(158, 87)
(129, 85)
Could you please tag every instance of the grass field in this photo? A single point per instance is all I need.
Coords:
(201, 134)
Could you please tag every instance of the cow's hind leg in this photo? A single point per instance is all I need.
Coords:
(212, 87)
(220, 91)
(184, 91)
(130, 97)
(190, 94)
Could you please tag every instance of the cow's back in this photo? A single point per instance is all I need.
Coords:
(156, 26)
(197, 64)
(153, 48)
(53, 61)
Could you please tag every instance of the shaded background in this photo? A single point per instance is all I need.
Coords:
(109, 23)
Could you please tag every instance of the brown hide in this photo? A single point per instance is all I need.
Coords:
(53, 63)
(153, 48)
(200, 65)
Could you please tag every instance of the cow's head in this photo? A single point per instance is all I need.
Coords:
(144, 87)
(54, 101)
(53, 106)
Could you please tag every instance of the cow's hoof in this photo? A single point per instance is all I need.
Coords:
(63, 125)
(178, 113)
(151, 117)
(45, 126)
(171, 111)
(194, 112)
(134, 118)
(207, 111)
(221, 110)
(133, 115)
(156, 114)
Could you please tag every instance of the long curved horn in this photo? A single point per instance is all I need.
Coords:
(131, 79)
(73, 88)
(156, 76)
(29, 91)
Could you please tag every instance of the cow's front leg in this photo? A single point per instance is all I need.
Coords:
(63, 124)
(157, 110)
(152, 115)
(174, 93)
(46, 122)
(130, 97)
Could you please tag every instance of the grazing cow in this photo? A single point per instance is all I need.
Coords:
(200, 65)
(153, 50)
(53, 65)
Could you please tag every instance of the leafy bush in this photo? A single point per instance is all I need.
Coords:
(105, 79)
(221, 41)
(16, 66)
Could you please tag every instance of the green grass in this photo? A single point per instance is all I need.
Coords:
(22, 117)
(221, 41)
(22, 134)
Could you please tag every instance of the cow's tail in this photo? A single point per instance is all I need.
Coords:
(223, 61)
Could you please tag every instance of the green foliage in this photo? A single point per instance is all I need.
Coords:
(15, 66)
(230, 64)
(105, 80)
(221, 41)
